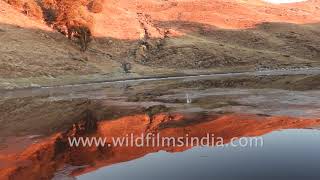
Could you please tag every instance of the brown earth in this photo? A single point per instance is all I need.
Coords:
(161, 38)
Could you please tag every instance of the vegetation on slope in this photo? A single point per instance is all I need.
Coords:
(151, 37)
(70, 17)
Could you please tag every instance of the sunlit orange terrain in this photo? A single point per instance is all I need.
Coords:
(127, 16)
(122, 19)
(161, 38)
(43, 159)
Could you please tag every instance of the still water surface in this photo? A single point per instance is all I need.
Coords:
(287, 154)
(283, 109)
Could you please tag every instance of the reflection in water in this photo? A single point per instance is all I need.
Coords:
(36, 124)
(281, 158)
(43, 159)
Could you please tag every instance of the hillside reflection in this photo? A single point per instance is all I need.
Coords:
(42, 159)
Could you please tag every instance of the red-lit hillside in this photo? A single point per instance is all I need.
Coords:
(152, 37)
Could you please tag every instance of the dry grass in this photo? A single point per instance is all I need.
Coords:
(192, 44)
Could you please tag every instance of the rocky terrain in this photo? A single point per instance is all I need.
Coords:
(160, 37)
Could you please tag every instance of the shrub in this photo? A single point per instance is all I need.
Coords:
(15, 3)
(69, 17)
(49, 15)
(126, 67)
(95, 6)
(31, 8)
(83, 34)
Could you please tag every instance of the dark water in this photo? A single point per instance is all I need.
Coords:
(287, 154)
(283, 109)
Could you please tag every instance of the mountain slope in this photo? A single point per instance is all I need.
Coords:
(157, 37)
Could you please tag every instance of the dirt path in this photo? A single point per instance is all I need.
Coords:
(104, 81)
